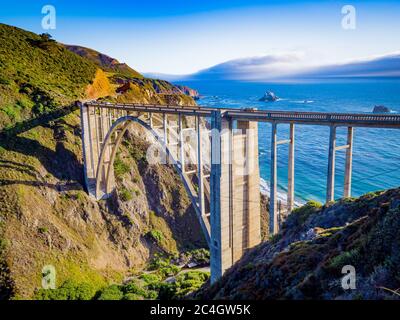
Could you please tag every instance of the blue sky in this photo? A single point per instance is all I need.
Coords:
(179, 37)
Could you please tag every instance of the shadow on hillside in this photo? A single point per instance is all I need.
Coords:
(61, 163)
(58, 187)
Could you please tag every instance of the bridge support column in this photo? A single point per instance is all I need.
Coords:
(200, 175)
(181, 144)
(247, 187)
(90, 145)
(235, 193)
(273, 215)
(349, 163)
(165, 127)
(274, 209)
(330, 188)
(290, 195)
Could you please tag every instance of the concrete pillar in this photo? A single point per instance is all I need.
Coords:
(165, 127)
(200, 174)
(234, 192)
(349, 163)
(150, 120)
(273, 216)
(181, 144)
(105, 126)
(330, 189)
(221, 195)
(290, 195)
(87, 163)
(251, 213)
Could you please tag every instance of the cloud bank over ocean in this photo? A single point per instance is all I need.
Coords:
(293, 66)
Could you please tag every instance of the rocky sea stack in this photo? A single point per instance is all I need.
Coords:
(381, 109)
(269, 96)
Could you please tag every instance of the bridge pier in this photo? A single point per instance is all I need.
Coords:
(273, 201)
(330, 190)
(290, 194)
(235, 193)
(349, 163)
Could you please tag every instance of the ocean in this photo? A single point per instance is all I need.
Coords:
(376, 152)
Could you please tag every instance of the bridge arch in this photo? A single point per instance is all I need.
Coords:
(104, 174)
(227, 204)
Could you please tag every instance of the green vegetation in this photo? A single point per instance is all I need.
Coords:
(156, 235)
(38, 75)
(301, 214)
(69, 290)
(43, 230)
(143, 286)
(183, 285)
(120, 167)
(163, 266)
(125, 195)
(348, 257)
(161, 233)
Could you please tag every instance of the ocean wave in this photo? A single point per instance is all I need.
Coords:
(265, 190)
(302, 101)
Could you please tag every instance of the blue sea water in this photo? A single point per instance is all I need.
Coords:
(376, 157)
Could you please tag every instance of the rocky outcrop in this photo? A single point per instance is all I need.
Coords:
(381, 109)
(189, 92)
(269, 96)
(305, 260)
(172, 94)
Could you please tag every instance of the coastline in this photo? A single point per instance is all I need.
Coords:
(265, 190)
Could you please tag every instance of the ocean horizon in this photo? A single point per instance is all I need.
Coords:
(376, 152)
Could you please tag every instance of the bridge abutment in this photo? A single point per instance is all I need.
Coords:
(235, 192)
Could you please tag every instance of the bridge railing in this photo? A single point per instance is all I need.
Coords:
(322, 118)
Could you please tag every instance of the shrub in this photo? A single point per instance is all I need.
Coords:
(69, 290)
(43, 230)
(120, 167)
(150, 278)
(125, 195)
(347, 257)
(184, 284)
(164, 267)
(112, 292)
(156, 235)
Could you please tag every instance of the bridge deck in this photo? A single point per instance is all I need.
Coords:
(311, 118)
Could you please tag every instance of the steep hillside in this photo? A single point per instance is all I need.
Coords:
(38, 75)
(305, 260)
(104, 61)
(46, 217)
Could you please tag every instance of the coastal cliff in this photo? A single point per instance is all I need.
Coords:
(305, 260)
(46, 217)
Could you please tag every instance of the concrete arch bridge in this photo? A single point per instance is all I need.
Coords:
(215, 152)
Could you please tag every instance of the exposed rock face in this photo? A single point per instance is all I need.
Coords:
(305, 260)
(189, 92)
(173, 94)
(104, 61)
(381, 109)
(269, 96)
